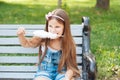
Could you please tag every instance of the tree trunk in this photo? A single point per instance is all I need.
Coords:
(104, 4)
(59, 3)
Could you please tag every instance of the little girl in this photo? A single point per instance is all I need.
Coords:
(57, 48)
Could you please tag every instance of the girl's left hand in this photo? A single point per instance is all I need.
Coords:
(68, 75)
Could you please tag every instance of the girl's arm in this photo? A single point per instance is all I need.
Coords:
(25, 42)
(69, 74)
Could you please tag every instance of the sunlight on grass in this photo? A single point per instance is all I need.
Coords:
(52, 2)
(32, 2)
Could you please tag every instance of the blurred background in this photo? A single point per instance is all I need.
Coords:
(104, 20)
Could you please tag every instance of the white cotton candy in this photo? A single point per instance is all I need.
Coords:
(44, 34)
(52, 36)
(40, 33)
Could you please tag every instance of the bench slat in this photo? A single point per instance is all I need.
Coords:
(31, 26)
(26, 26)
(15, 41)
(75, 32)
(17, 49)
(18, 68)
(22, 68)
(18, 59)
(25, 59)
(22, 50)
(22, 76)
(10, 72)
(10, 30)
(17, 75)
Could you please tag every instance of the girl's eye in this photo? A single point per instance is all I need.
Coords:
(49, 26)
(57, 26)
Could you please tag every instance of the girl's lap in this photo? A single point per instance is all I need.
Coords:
(44, 75)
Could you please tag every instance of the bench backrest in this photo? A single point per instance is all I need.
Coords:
(18, 62)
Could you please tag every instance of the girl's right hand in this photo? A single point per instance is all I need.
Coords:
(20, 31)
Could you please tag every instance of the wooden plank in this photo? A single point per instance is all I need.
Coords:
(17, 71)
(25, 59)
(75, 32)
(18, 59)
(17, 49)
(22, 50)
(31, 26)
(9, 41)
(10, 30)
(15, 41)
(14, 32)
(20, 75)
(17, 75)
(18, 68)
(16, 26)
(22, 68)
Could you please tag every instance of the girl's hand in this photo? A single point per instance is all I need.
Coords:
(68, 75)
(20, 31)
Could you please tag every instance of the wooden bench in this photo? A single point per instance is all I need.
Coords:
(18, 63)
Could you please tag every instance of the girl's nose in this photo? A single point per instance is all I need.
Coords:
(53, 30)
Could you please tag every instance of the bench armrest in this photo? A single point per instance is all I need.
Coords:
(89, 64)
(90, 61)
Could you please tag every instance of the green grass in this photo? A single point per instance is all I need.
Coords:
(105, 34)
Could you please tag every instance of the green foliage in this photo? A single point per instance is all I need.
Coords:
(23, 14)
(105, 33)
(107, 61)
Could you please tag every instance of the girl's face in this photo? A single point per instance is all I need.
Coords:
(55, 27)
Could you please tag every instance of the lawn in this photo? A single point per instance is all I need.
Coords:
(105, 34)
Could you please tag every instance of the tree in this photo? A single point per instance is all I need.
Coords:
(59, 3)
(104, 4)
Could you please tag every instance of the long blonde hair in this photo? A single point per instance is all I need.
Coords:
(68, 57)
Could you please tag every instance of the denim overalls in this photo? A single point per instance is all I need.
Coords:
(49, 65)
